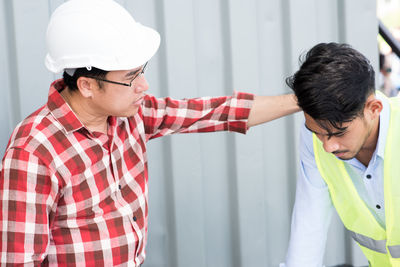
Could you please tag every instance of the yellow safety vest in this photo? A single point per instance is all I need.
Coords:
(380, 246)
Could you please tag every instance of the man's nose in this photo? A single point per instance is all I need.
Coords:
(141, 85)
(330, 144)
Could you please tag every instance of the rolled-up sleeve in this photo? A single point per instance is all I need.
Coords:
(163, 116)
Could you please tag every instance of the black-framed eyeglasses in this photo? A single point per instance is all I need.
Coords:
(124, 84)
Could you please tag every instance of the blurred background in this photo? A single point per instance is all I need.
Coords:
(388, 12)
(222, 199)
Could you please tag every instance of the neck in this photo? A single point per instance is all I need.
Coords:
(369, 147)
(83, 110)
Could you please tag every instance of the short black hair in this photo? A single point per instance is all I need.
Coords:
(333, 84)
(70, 81)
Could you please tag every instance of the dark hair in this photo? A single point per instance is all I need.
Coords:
(333, 83)
(70, 81)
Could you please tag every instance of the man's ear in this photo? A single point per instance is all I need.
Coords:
(86, 86)
(373, 107)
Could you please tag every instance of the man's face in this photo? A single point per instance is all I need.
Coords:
(119, 100)
(344, 144)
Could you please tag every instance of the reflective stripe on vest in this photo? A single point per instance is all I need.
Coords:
(372, 244)
(394, 251)
(376, 245)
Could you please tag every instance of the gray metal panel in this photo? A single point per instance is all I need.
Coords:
(219, 199)
(30, 22)
(6, 114)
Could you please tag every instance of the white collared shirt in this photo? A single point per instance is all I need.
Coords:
(313, 206)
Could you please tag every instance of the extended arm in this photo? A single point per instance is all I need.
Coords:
(164, 116)
(268, 108)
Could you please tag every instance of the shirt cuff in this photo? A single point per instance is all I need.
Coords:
(239, 112)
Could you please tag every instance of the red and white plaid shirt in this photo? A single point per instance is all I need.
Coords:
(74, 197)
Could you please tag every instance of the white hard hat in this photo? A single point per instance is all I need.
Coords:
(97, 33)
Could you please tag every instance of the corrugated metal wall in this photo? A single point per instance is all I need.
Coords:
(221, 199)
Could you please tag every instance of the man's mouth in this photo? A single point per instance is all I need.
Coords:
(139, 101)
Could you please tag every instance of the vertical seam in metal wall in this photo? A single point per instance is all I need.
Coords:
(341, 15)
(15, 104)
(230, 140)
(50, 11)
(166, 145)
(289, 121)
(259, 22)
(195, 37)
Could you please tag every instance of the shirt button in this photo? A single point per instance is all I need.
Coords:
(369, 176)
(378, 206)
(120, 187)
(134, 218)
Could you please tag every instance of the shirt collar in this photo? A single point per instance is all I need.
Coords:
(60, 109)
(384, 118)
